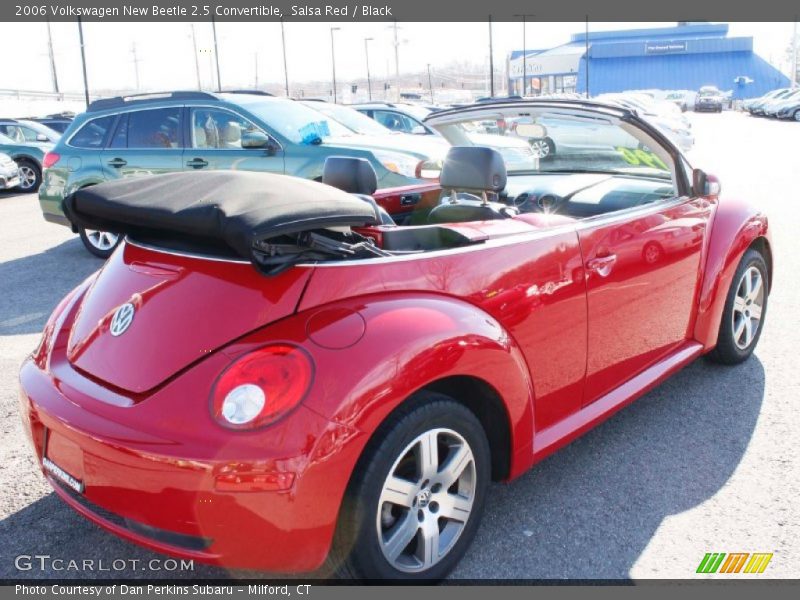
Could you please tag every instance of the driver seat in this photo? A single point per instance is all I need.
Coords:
(478, 172)
(355, 176)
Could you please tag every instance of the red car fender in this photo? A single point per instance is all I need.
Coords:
(735, 228)
(372, 353)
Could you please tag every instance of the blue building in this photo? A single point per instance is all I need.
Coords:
(685, 57)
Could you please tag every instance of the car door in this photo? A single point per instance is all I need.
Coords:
(222, 139)
(145, 142)
(641, 280)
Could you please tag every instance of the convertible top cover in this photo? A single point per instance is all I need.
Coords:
(237, 209)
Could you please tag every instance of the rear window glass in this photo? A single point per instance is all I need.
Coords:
(158, 128)
(93, 133)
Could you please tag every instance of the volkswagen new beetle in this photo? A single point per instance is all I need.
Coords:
(270, 373)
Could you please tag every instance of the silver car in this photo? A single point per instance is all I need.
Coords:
(9, 172)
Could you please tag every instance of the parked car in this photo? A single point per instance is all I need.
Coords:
(55, 122)
(160, 133)
(756, 106)
(24, 130)
(332, 387)
(409, 119)
(709, 99)
(772, 107)
(675, 125)
(9, 172)
(29, 157)
(789, 109)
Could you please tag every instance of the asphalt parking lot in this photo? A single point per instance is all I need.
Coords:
(707, 462)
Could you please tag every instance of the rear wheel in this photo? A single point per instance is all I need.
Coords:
(543, 148)
(30, 176)
(744, 313)
(99, 243)
(416, 497)
(796, 115)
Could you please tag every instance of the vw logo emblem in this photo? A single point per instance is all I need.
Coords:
(122, 319)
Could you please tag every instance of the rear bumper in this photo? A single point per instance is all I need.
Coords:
(238, 500)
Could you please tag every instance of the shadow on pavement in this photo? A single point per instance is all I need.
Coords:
(33, 285)
(589, 511)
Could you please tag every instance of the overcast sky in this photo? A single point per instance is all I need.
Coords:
(166, 58)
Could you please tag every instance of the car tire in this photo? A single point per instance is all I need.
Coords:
(420, 510)
(543, 148)
(741, 326)
(796, 115)
(30, 175)
(100, 243)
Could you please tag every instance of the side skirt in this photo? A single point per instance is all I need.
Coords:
(549, 440)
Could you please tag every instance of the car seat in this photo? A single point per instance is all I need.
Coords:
(355, 176)
(469, 174)
(230, 135)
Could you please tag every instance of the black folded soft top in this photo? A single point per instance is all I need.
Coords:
(234, 208)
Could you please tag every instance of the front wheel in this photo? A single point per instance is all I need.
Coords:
(416, 497)
(744, 313)
(796, 115)
(543, 148)
(99, 243)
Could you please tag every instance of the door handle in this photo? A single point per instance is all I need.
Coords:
(117, 162)
(197, 163)
(602, 265)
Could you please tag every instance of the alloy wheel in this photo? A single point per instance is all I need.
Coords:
(747, 307)
(27, 177)
(541, 148)
(102, 240)
(426, 500)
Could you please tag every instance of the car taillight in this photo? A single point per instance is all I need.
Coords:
(50, 159)
(261, 387)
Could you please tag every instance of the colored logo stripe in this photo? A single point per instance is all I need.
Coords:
(713, 562)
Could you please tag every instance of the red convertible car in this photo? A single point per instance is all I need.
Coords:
(269, 373)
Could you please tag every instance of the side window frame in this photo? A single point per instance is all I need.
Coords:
(106, 135)
(189, 128)
(180, 133)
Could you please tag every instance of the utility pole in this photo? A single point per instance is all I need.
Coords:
(196, 58)
(491, 60)
(285, 70)
(586, 56)
(135, 65)
(366, 53)
(524, 51)
(430, 82)
(83, 63)
(255, 55)
(52, 58)
(396, 62)
(216, 53)
(333, 62)
(794, 54)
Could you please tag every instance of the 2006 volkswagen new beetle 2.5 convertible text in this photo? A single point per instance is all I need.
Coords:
(273, 373)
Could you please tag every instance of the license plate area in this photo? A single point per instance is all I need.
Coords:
(63, 460)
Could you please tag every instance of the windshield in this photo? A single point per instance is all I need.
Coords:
(352, 119)
(704, 93)
(41, 128)
(563, 142)
(297, 122)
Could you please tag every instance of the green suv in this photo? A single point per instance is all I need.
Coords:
(180, 131)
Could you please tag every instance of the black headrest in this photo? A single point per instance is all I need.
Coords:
(473, 168)
(353, 175)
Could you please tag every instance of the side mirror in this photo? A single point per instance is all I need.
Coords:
(418, 130)
(40, 137)
(704, 184)
(255, 139)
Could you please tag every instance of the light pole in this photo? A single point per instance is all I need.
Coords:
(52, 58)
(83, 63)
(491, 60)
(196, 58)
(524, 51)
(366, 53)
(285, 70)
(135, 65)
(430, 83)
(216, 53)
(333, 62)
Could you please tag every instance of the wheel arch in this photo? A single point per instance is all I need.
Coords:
(736, 228)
